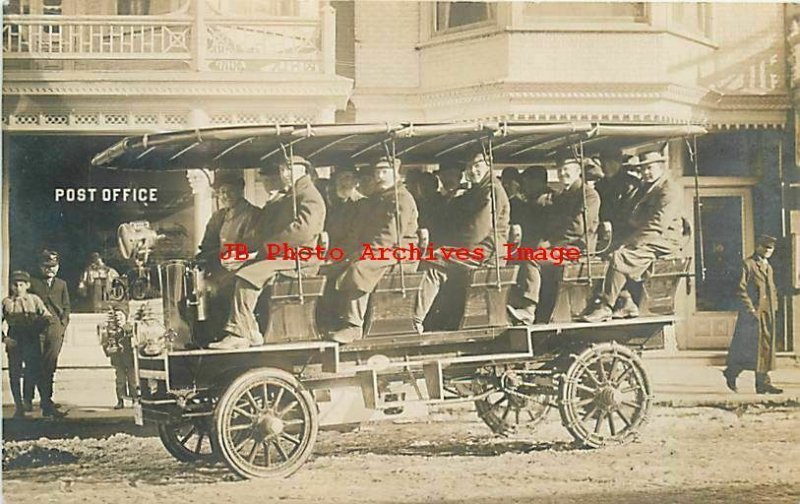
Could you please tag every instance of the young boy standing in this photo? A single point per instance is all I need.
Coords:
(26, 318)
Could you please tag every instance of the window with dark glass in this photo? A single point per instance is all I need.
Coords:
(133, 7)
(456, 15)
(734, 154)
(722, 231)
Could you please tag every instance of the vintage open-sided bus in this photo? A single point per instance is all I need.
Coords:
(259, 408)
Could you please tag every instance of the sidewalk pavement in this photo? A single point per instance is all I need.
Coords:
(88, 394)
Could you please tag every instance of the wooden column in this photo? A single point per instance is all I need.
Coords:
(203, 202)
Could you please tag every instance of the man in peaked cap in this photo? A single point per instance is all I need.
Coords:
(753, 344)
(295, 218)
(655, 229)
(235, 221)
(53, 291)
(388, 209)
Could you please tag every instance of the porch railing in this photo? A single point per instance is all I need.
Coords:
(203, 42)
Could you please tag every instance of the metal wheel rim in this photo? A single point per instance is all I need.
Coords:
(508, 414)
(266, 426)
(188, 440)
(605, 395)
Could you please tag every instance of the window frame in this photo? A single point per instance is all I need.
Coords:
(491, 22)
(587, 21)
(676, 27)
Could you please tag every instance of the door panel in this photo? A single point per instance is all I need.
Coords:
(727, 229)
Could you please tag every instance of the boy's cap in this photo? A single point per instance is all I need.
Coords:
(20, 276)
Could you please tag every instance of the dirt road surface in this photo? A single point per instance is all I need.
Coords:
(684, 455)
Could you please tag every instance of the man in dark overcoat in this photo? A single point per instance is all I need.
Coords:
(472, 225)
(655, 229)
(753, 344)
(617, 191)
(344, 208)
(234, 222)
(389, 209)
(569, 225)
(295, 219)
(55, 295)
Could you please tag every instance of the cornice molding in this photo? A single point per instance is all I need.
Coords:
(613, 102)
(335, 87)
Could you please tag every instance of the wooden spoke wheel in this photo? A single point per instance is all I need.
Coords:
(189, 439)
(604, 396)
(511, 411)
(266, 424)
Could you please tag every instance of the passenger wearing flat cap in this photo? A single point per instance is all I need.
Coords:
(753, 343)
(389, 209)
(53, 291)
(235, 221)
(296, 218)
(565, 227)
(655, 228)
(471, 225)
(26, 318)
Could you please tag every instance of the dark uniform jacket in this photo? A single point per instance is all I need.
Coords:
(655, 220)
(752, 346)
(228, 225)
(470, 218)
(377, 227)
(616, 199)
(566, 217)
(278, 224)
(342, 221)
(56, 299)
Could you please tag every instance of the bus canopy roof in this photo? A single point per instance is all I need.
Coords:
(236, 147)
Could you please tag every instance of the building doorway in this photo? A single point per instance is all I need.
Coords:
(726, 211)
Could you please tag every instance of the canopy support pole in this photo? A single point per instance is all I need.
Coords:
(583, 212)
(698, 206)
(392, 155)
(487, 154)
(287, 156)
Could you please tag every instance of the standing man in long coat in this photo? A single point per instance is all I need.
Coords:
(387, 218)
(294, 219)
(753, 344)
(55, 295)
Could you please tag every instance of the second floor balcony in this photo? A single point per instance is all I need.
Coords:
(196, 37)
